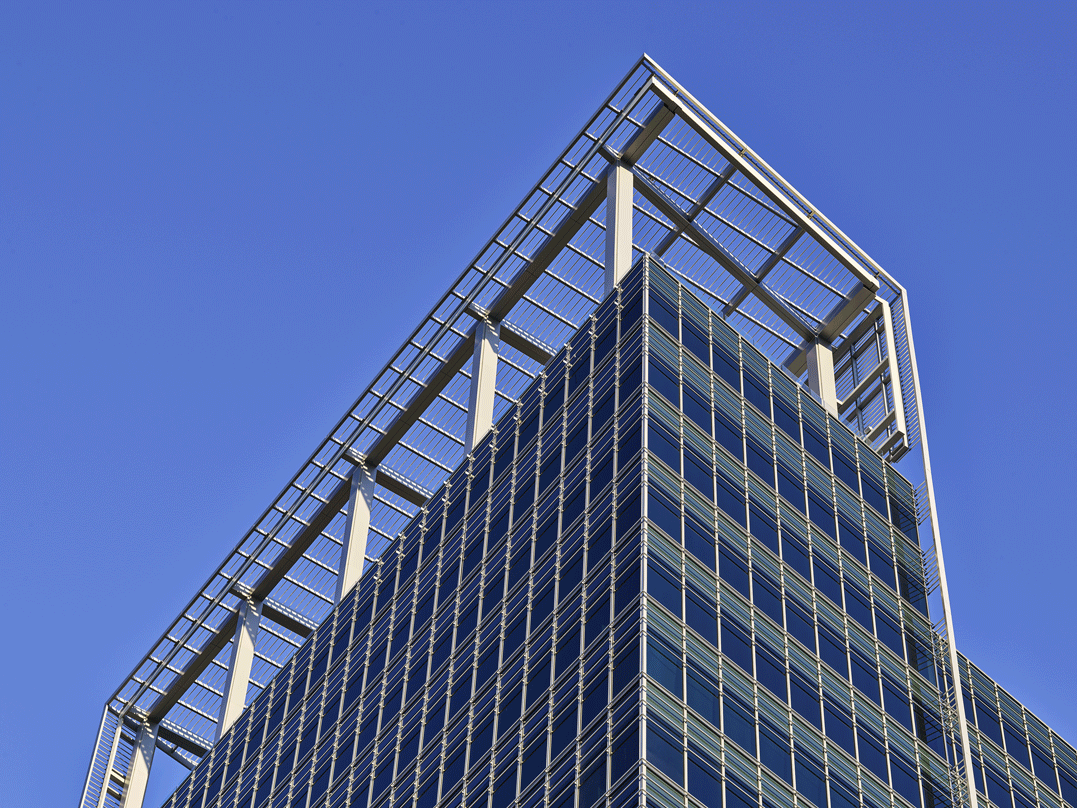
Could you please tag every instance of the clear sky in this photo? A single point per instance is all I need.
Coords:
(218, 221)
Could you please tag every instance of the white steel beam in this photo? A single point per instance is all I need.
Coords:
(895, 374)
(239, 667)
(618, 224)
(525, 343)
(729, 262)
(356, 529)
(861, 387)
(480, 408)
(697, 208)
(772, 261)
(820, 358)
(737, 157)
(138, 773)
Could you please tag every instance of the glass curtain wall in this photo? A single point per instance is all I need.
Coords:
(666, 577)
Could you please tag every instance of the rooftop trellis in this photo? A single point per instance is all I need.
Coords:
(716, 214)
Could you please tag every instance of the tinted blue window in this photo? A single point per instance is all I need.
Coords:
(816, 444)
(774, 752)
(698, 474)
(810, 780)
(770, 670)
(756, 390)
(739, 722)
(791, 486)
(703, 783)
(839, 727)
(851, 538)
(728, 434)
(665, 381)
(696, 341)
(701, 617)
(832, 650)
(738, 795)
(906, 783)
(801, 625)
(698, 542)
(760, 460)
(736, 643)
(664, 753)
(664, 313)
(727, 366)
(733, 569)
(664, 445)
(664, 588)
(731, 499)
(805, 698)
(845, 469)
(795, 553)
(767, 596)
(564, 731)
(826, 579)
(785, 417)
(703, 695)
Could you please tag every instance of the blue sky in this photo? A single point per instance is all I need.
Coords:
(217, 222)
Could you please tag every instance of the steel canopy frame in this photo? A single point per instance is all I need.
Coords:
(721, 218)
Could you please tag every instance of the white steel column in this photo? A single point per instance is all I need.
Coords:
(138, 775)
(353, 552)
(944, 588)
(480, 408)
(820, 358)
(618, 224)
(239, 668)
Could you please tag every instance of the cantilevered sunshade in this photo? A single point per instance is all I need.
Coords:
(704, 203)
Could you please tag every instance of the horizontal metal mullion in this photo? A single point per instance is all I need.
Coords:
(440, 430)
(552, 314)
(393, 506)
(673, 188)
(769, 329)
(274, 633)
(312, 560)
(862, 387)
(201, 713)
(314, 592)
(522, 371)
(425, 457)
(763, 203)
(569, 284)
(669, 144)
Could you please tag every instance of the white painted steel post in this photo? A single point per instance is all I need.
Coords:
(138, 775)
(239, 668)
(618, 224)
(820, 358)
(353, 551)
(480, 408)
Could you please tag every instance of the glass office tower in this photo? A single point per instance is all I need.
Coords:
(666, 577)
(631, 517)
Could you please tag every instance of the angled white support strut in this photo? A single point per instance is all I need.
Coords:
(353, 551)
(944, 589)
(138, 775)
(480, 410)
(618, 224)
(239, 668)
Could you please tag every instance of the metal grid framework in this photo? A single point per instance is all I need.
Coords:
(727, 225)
